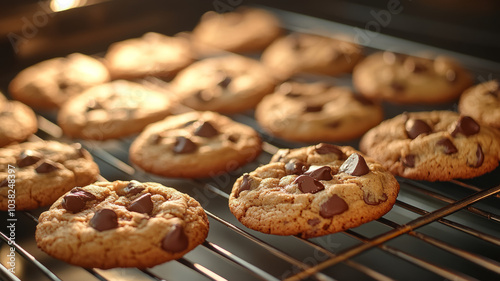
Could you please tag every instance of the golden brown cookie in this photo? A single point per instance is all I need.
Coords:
(17, 121)
(313, 191)
(121, 224)
(482, 102)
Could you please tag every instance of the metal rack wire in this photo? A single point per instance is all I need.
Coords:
(435, 231)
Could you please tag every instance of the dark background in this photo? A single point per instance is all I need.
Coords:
(30, 33)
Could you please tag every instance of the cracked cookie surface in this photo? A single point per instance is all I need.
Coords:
(433, 146)
(45, 170)
(121, 224)
(195, 145)
(313, 191)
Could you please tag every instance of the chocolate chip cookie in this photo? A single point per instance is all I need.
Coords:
(49, 84)
(313, 191)
(195, 145)
(17, 121)
(226, 84)
(308, 53)
(244, 30)
(113, 110)
(433, 146)
(121, 224)
(153, 54)
(43, 172)
(407, 79)
(312, 112)
(482, 102)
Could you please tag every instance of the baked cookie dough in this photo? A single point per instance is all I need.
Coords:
(113, 110)
(44, 171)
(49, 84)
(482, 102)
(407, 79)
(195, 145)
(433, 146)
(153, 54)
(313, 112)
(308, 53)
(244, 30)
(313, 191)
(226, 84)
(17, 121)
(121, 224)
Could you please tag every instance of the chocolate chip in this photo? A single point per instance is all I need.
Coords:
(451, 75)
(307, 184)
(370, 198)
(184, 145)
(176, 240)
(313, 222)
(133, 187)
(416, 127)
(63, 85)
(233, 138)
(46, 166)
(408, 160)
(355, 165)
(295, 167)
(104, 219)
(313, 108)
(28, 157)
(398, 86)
(465, 126)
(333, 206)
(321, 173)
(326, 148)
(244, 185)
(224, 83)
(76, 199)
(206, 130)
(448, 146)
(479, 156)
(4, 183)
(143, 204)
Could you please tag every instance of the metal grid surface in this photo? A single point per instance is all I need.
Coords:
(436, 231)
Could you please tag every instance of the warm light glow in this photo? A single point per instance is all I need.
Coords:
(61, 5)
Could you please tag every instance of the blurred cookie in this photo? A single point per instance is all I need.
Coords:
(121, 224)
(195, 145)
(316, 112)
(244, 30)
(17, 121)
(153, 54)
(227, 84)
(113, 110)
(433, 146)
(48, 84)
(410, 80)
(44, 171)
(482, 102)
(313, 191)
(307, 53)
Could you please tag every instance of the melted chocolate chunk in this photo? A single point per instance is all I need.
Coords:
(480, 156)
(313, 222)
(176, 240)
(355, 165)
(416, 127)
(448, 146)
(325, 148)
(143, 204)
(28, 157)
(321, 173)
(224, 83)
(46, 166)
(133, 187)
(244, 185)
(333, 206)
(370, 198)
(4, 183)
(307, 184)
(184, 145)
(466, 126)
(75, 201)
(398, 87)
(104, 219)
(295, 167)
(408, 160)
(233, 138)
(206, 130)
(63, 85)
(313, 108)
